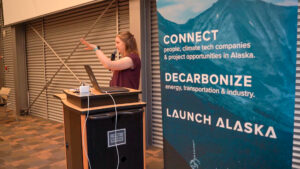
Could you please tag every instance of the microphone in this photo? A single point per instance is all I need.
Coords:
(113, 55)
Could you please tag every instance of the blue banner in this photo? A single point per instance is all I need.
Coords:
(228, 70)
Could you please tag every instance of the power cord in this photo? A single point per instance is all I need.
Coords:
(116, 123)
(84, 129)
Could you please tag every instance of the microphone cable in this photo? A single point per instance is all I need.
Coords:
(116, 124)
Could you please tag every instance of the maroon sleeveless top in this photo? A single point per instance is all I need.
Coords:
(129, 77)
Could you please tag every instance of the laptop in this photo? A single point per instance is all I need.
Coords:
(102, 89)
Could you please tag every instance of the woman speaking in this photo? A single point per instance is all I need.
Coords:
(126, 70)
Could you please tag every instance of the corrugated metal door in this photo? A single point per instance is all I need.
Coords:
(36, 69)
(8, 61)
(63, 31)
(157, 129)
(123, 16)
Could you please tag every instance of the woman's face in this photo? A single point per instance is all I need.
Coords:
(120, 45)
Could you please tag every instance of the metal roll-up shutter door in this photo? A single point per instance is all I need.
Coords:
(296, 146)
(63, 31)
(157, 128)
(36, 69)
(123, 15)
(8, 61)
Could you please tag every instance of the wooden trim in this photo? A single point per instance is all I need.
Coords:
(65, 140)
(72, 106)
(84, 142)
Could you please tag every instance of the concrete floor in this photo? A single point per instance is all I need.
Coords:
(36, 143)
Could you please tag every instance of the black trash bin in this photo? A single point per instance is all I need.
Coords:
(101, 140)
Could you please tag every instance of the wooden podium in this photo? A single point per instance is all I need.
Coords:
(76, 110)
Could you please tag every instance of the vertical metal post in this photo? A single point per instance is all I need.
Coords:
(45, 69)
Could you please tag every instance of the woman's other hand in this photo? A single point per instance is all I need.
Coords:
(88, 45)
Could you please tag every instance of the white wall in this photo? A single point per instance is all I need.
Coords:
(16, 11)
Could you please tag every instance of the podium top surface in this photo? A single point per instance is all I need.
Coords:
(98, 102)
(93, 92)
(60, 96)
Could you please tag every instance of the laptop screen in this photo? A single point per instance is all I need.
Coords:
(92, 77)
(96, 85)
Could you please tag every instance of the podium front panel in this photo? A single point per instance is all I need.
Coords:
(102, 151)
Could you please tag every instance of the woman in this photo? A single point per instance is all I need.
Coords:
(126, 71)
